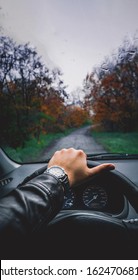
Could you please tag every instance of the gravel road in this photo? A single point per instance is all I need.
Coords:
(78, 139)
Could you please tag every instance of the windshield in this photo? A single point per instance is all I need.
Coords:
(68, 77)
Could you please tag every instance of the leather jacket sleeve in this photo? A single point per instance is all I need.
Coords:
(26, 209)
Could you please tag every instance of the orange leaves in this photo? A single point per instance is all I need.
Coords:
(113, 100)
(75, 116)
(61, 115)
(53, 106)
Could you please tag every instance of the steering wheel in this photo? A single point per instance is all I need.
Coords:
(84, 234)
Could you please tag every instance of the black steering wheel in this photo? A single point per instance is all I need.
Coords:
(85, 234)
(91, 234)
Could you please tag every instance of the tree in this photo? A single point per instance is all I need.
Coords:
(113, 94)
(25, 82)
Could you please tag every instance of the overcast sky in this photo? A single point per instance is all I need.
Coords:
(74, 35)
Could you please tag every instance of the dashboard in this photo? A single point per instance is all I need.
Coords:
(96, 195)
(106, 203)
(128, 167)
(103, 193)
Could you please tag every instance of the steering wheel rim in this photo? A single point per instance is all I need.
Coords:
(111, 232)
(129, 189)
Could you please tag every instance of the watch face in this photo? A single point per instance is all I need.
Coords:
(57, 171)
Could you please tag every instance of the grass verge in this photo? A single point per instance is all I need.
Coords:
(118, 142)
(32, 148)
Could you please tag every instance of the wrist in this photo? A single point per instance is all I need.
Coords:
(60, 174)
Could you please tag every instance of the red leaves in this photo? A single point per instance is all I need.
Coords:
(113, 100)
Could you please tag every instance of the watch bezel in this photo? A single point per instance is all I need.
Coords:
(63, 179)
(49, 169)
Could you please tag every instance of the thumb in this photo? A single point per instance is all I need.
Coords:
(102, 167)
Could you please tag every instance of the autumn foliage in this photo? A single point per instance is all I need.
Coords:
(112, 95)
(33, 99)
(75, 116)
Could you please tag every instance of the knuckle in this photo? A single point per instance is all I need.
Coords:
(81, 152)
(71, 149)
(57, 152)
(63, 150)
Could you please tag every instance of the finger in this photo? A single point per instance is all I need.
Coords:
(100, 168)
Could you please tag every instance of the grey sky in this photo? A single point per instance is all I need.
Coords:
(74, 35)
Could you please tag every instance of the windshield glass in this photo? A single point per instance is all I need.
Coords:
(68, 77)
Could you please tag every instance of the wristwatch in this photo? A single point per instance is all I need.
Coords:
(60, 174)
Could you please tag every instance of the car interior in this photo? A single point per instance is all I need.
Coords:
(67, 66)
(99, 217)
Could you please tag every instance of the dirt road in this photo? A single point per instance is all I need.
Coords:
(78, 139)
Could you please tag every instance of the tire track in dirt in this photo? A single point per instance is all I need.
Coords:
(78, 139)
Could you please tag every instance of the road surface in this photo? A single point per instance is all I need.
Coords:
(78, 139)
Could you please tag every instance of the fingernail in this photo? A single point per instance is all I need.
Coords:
(112, 167)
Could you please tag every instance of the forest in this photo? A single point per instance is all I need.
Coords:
(34, 101)
(112, 90)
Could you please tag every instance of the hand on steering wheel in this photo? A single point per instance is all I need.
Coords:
(74, 163)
